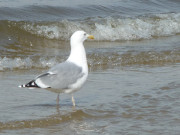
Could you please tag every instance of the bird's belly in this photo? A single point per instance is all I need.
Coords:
(72, 88)
(77, 85)
(56, 90)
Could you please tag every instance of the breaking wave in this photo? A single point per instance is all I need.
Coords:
(104, 29)
(25, 63)
(96, 61)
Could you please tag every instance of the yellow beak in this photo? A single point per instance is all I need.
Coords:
(91, 37)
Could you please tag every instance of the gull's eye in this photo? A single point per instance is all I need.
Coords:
(84, 34)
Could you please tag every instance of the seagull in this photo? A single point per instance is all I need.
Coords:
(68, 76)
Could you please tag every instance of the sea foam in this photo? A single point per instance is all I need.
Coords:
(110, 29)
(96, 60)
(25, 63)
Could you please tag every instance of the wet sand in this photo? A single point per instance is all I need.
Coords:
(124, 94)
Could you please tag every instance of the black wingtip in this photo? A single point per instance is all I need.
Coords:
(31, 84)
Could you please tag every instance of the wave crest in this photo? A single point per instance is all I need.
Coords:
(105, 29)
(96, 61)
(25, 63)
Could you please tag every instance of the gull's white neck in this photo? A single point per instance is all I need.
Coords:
(78, 55)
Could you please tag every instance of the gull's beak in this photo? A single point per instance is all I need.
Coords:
(90, 36)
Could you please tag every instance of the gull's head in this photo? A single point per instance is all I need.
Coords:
(80, 37)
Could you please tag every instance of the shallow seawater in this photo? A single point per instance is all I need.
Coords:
(131, 96)
(139, 100)
(134, 67)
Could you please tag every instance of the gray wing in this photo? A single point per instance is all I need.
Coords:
(61, 76)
